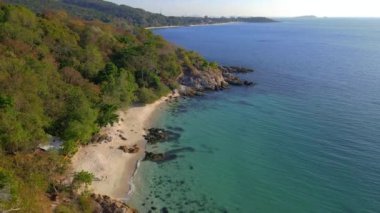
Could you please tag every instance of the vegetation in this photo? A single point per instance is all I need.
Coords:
(110, 12)
(83, 177)
(66, 77)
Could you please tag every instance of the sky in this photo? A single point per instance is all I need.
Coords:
(268, 8)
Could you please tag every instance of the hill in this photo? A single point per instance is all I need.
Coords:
(63, 75)
(110, 12)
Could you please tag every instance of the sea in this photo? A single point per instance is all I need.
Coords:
(305, 139)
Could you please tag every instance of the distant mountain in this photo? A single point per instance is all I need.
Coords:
(306, 17)
(108, 12)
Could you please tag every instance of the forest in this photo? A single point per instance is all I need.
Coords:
(124, 15)
(62, 76)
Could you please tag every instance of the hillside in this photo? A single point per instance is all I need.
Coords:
(62, 77)
(110, 12)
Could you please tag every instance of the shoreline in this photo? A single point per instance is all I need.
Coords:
(190, 25)
(114, 169)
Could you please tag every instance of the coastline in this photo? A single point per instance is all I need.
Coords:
(114, 169)
(191, 25)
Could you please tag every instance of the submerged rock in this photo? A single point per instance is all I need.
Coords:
(156, 135)
(159, 157)
(154, 156)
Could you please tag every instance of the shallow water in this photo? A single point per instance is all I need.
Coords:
(305, 139)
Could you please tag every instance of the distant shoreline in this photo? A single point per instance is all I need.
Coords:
(191, 25)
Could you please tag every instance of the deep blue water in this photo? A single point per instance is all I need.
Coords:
(305, 139)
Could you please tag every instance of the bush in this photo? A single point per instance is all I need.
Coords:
(69, 148)
(8, 189)
(146, 96)
(86, 203)
(4, 179)
(83, 177)
(65, 208)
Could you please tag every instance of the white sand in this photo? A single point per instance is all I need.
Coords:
(114, 169)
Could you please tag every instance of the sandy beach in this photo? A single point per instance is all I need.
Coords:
(113, 168)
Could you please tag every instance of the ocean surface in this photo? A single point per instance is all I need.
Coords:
(306, 138)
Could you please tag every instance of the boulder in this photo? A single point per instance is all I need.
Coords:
(154, 156)
(156, 135)
(131, 150)
(122, 137)
(234, 69)
(100, 138)
(108, 205)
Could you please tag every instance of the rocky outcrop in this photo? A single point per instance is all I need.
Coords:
(202, 80)
(234, 80)
(154, 156)
(194, 81)
(159, 157)
(234, 69)
(156, 135)
(107, 205)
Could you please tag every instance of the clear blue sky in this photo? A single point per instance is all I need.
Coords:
(271, 8)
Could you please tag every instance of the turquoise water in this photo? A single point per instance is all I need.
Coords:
(305, 139)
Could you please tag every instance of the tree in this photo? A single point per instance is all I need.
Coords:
(79, 121)
(92, 62)
(107, 115)
(5, 101)
(82, 177)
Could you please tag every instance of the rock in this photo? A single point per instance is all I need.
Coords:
(108, 138)
(131, 150)
(154, 156)
(159, 157)
(122, 137)
(100, 138)
(108, 205)
(201, 80)
(156, 135)
(195, 81)
(234, 81)
(123, 148)
(234, 69)
(248, 83)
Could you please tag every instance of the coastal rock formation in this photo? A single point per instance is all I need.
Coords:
(202, 80)
(107, 205)
(156, 135)
(159, 157)
(154, 156)
(233, 80)
(194, 81)
(234, 69)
